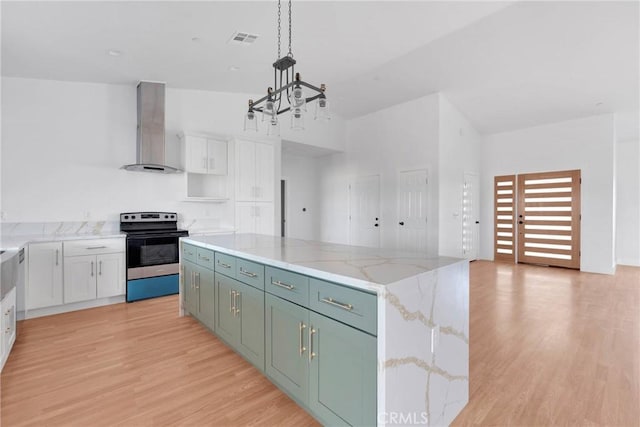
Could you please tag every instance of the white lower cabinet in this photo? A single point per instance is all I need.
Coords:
(8, 324)
(45, 275)
(79, 278)
(111, 275)
(93, 269)
(75, 270)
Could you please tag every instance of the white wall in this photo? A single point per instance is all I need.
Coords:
(459, 153)
(628, 202)
(302, 188)
(402, 137)
(586, 144)
(64, 142)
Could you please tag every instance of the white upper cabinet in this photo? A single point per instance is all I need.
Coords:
(255, 176)
(205, 155)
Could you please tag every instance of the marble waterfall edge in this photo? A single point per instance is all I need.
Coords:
(423, 353)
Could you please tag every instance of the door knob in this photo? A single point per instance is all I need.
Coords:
(477, 222)
(375, 225)
(401, 223)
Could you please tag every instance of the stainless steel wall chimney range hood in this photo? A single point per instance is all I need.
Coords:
(150, 150)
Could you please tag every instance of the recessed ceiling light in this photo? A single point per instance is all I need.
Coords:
(234, 68)
(114, 52)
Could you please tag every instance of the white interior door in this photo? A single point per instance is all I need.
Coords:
(413, 191)
(364, 211)
(470, 218)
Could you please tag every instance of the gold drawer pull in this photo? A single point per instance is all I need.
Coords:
(247, 273)
(331, 301)
(283, 285)
(222, 264)
(204, 258)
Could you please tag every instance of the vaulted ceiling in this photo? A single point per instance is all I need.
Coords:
(505, 65)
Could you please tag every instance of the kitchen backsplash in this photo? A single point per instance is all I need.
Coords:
(98, 228)
(60, 228)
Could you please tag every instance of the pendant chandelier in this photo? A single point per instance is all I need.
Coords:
(291, 89)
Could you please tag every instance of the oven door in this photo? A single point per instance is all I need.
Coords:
(152, 255)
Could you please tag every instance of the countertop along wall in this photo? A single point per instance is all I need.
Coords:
(587, 144)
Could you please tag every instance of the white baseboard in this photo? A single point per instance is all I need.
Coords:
(82, 305)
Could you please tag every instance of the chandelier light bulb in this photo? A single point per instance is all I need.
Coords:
(250, 120)
(269, 110)
(297, 119)
(274, 127)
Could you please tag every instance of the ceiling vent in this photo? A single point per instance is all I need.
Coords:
(244, 39)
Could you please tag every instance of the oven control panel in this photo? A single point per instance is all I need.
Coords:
(148, 216)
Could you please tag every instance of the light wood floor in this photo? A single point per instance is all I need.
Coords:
(132, 365)
(548, 347)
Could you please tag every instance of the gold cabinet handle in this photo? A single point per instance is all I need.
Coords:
(204, 258)
(311, 353)
(238, 302)
(230, 301)
(247, 273)
(283, 285)
(343, 306)
(222, 264)
(301, 327)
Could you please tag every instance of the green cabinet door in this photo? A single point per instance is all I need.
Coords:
(227, 325)
(190, 291)
(342, 387)
(206, 290)
(286, 335)
(250, 312)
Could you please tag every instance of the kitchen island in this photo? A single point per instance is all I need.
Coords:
(355, 335)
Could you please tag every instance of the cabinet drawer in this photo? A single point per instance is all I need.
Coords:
(189, 252)
(250, 273)
(285, 284)
(348, 305)
(225, 264)
(205, 258)
(93, 246)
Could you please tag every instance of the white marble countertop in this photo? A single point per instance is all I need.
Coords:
(9, 243)
(365, 268)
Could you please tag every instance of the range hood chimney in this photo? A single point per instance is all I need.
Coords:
(150, 150)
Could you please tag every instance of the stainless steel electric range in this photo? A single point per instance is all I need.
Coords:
(152, 253)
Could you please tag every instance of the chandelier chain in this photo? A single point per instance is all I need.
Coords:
(279, 7)
(290, 52)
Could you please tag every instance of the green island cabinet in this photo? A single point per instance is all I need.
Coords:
(240, 318)
(199, 289)
(314, 339)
